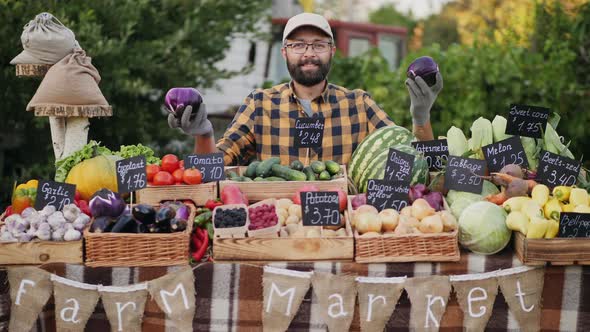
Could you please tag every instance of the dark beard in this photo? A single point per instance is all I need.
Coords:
(309, 78)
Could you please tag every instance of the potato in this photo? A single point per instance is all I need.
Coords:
(292, 220)
(282, 220)
(284, 203)
(292, 228)
(295, 210)
(282, 212)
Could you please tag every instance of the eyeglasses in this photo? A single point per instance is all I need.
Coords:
(301, 47)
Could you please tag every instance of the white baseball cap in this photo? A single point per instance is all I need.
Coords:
(307, 19)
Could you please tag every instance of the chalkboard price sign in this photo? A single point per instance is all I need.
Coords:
(574, 224)
(211, 165)
(525, 120)
(131, 174)
(505, 152)
(320, 208)
(555, 170)
(309, 132)
(54, 193)
(383, 194)
(436, 153)
(399, 166)
(464, 174)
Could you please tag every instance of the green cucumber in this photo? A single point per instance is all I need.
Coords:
(318, 166)
(332, 167)
(296, 165)
(325, 175)
(287, 173)
(309, 173)
(264, 169)
(273, 178)
(251, 169)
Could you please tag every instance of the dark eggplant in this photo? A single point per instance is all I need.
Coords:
(144, 213)
(125, 224)
(164, 215)
(153, 228)
(102, 224)
(142, 228)
(177, 225)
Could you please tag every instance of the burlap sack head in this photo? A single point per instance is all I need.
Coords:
(476, 299)
(377, 301)
(429, 298)
(45, 41)
(74, 304)
(30, 288)
(71, 81)
(124, 309)
(336, 296)
(284, 291)
(175, 295)
(523, 293)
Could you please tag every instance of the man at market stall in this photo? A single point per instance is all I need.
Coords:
(263, 126)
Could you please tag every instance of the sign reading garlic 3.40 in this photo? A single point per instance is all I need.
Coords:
(399, 166)
(131, 174)
(211, 165)
(54, 193)
(309, 132)
(525, 120)
(320, 208)
(383, 194)
(505, 152)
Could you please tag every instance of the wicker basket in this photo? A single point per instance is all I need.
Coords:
(198, 194)
(437, 247)
(125, 249)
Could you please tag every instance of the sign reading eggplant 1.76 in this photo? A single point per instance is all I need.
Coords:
(211, 165)
(525, 120)
(555, 170)
(54, 193)
(320, 208)
(131, 174)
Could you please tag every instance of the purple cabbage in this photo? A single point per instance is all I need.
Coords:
(105, 203)
(178, 98)
(424, 67)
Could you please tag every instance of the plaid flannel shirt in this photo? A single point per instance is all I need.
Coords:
(264, 125)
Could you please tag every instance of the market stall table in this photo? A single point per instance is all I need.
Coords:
(230, 295)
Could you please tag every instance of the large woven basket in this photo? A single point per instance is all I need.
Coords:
(151, 249)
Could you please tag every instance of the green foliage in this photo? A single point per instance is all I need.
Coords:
(388, 15)
(141, 49)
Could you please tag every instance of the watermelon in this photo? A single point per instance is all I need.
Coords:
(375, 143)
(376, 167)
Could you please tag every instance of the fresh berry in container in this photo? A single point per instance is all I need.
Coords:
(262, 216)
(229, 217)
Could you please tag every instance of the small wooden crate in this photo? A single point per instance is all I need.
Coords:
(127, 249)
(436, 247)
(557, 251)
(286, 249)
(231, 232)
(260, 190)
(199, 194)
(39, 252)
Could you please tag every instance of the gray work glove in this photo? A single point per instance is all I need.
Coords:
(422, 97)
(198, 125)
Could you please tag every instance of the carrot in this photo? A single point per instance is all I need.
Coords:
(498, 198)
(504, 179)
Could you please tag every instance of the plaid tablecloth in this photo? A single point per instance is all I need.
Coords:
(229, 296)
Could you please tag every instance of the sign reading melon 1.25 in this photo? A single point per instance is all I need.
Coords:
(436, 153)
(464, 174)
(320, 208)
(131, 174)
(555, 170)
(309, 132)
(383, 194)
(574, 224)
(525, 120)
(399, 166)
(211, 165)
(54, 193)
(505, 152)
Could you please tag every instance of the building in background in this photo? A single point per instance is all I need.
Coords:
(267, 65)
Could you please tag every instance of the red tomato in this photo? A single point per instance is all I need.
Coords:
(192, 176)
(170, 163)
(163, 178)
(178, 175)
(77, 195)
(151, 170)
(181, 164)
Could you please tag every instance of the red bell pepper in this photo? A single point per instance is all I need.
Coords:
(212, 203)
(202, 248)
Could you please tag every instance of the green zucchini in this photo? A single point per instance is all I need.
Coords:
(318, 166)
(251, 169)
(264, 169)
(287, 173)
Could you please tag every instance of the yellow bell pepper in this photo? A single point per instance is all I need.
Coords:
(562, 193)
(568, 207)
(582, 209)
(532, 209)
(579, 196)
(540, 194)
(515, 203)
(537, 228)
(517, 221)
(552, 229)
(552, 209)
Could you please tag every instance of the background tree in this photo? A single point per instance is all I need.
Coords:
(141, 49)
